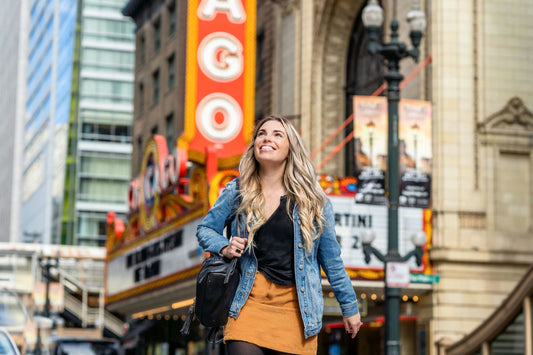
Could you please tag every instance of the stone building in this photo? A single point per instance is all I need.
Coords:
(311, 58)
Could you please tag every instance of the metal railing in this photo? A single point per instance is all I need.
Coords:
(88, 316)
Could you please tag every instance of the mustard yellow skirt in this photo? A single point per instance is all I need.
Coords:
(270, 318)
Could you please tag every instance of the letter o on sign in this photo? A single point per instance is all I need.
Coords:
(219, 117)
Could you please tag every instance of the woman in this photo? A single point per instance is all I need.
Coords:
(285, 233)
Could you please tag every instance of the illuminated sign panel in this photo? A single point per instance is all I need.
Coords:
(220, 88)
(153, 261)
(351, 219)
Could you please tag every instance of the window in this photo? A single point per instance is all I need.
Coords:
(96, 164)
(171, 71)
(141, 98)
(259, 57)
(139, 153)
(170, 132)
(106, 91)
(155, 84)
(154, 130)
(105, 132)
(157, 36)
(107, 190)
(171, 19)
(143, 50)
(512, 339)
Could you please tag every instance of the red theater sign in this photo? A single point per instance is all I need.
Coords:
(219, 99)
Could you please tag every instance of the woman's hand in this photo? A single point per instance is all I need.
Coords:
(352, 324)
(235, 247)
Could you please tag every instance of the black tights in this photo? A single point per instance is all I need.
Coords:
(236, 347)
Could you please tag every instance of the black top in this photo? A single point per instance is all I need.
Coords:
(274, 246)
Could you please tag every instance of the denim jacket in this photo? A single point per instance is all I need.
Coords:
(325, 253)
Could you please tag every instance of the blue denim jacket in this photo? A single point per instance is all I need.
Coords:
(325, 253)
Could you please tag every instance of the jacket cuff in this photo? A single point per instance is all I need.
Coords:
(349, 309)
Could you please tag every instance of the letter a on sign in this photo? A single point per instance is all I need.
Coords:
(219, 96)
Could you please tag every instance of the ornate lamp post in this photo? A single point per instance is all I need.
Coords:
(393, 52)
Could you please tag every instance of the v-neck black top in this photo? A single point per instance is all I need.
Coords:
(274, 246)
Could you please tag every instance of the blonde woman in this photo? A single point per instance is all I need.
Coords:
(287, 235)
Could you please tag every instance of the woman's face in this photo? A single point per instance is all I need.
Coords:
(271, 144)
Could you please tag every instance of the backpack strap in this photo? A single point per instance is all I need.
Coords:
(234, 207)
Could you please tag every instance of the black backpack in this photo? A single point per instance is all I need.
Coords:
(216, 285)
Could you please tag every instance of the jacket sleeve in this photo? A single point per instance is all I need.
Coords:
(210, 231)
(329, 258)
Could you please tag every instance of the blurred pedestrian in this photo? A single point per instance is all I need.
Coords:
(287, 234)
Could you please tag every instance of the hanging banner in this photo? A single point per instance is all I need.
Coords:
(414, 151)
(370, 142)
(416, 159)
(219, 96)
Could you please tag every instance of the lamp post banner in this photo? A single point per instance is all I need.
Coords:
(370, 151)
(370, 145)
(416, 159)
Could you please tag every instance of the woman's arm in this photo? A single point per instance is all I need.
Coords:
(329, 258)
(209, 231)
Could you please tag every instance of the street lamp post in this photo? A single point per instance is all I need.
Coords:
(393, 52)
(45, 264)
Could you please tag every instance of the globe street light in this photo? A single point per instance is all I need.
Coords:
(393, 52)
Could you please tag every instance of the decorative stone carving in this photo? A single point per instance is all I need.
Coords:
(514, 116)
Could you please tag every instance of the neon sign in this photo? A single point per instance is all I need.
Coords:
(220, 89)
(159, 172)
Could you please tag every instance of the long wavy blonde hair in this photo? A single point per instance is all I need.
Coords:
(299, 181)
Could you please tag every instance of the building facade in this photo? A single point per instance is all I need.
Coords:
(311, 59)
(50, 53)
(99, 131)
(13, 39)
(159, 73)
(77, 140)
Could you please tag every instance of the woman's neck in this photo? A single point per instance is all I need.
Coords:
(272, 181)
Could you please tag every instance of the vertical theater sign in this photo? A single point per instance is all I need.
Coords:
(156, 245)
(220, 80)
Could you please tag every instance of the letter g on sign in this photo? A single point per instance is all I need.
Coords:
(220, 57)
(219, 117)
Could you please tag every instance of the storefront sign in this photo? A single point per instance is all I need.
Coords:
(153, 260)
(352, 219)
(219, 99)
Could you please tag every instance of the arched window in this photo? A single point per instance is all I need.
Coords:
(364, 75)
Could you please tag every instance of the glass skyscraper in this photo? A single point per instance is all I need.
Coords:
(78, 115)
(49, 70)
(99, 147)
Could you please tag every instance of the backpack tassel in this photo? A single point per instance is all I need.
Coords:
(187, 324)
